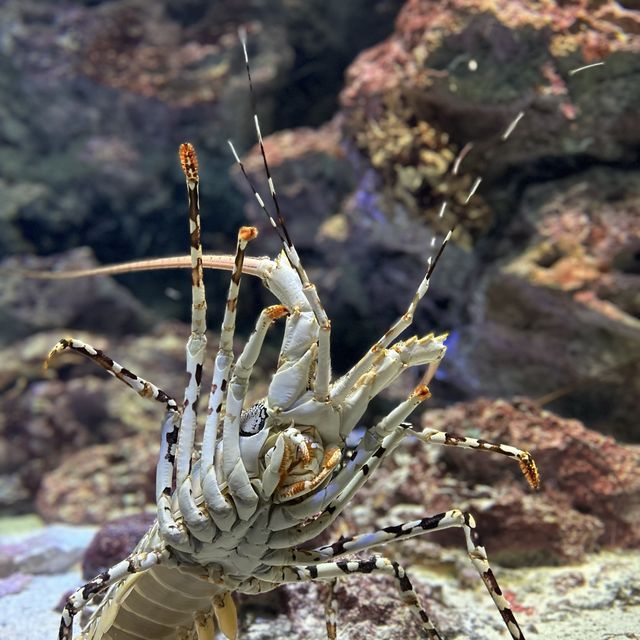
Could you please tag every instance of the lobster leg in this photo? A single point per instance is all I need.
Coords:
(135, 563)
(225, 405)
(333, 570)
(344, 385)
(249, 356)
(170, 429)
(367, 458)
(331, 610)
(526, 462)
(323, 369)
(446, 520)
(241, 490)
(196, 521)
(240, 486)
(221, 510)
(141, 386)
(390, 364)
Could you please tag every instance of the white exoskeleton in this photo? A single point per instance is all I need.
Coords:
(233, 513)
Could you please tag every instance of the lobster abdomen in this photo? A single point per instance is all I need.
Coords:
(159, 604)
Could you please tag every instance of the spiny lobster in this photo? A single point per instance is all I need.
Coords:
(233, 513)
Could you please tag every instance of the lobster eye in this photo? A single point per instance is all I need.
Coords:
(252, 420)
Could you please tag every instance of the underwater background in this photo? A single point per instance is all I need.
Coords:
(374, 113)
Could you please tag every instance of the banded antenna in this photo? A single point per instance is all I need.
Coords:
(278, 222)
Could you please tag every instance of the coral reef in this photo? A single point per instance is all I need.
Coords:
(458, 72)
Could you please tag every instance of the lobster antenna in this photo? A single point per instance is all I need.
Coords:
(514, 123)
(279, 224)
(257, 195)
(243, 39)
(585, 67)
(474, 187)
(433, 262)
(323, 361)
(460, 157)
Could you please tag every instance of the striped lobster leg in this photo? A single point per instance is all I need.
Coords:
(141, 386)
(221, 509)
(323, 358)
(406, 591)
(527, 464)
(170, 428)
(199, 521)
(196, 520)
(135, 563)
(445, 520)
(331, 571)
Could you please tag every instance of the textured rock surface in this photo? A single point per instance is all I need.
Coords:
(442, 80)
(559, 316)
(590, 488)
(536, 252)
(98, 95)
(101, 482)
(102, 94)
(542, 294)
(51, 550)
(313, 176)
(596, 599)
